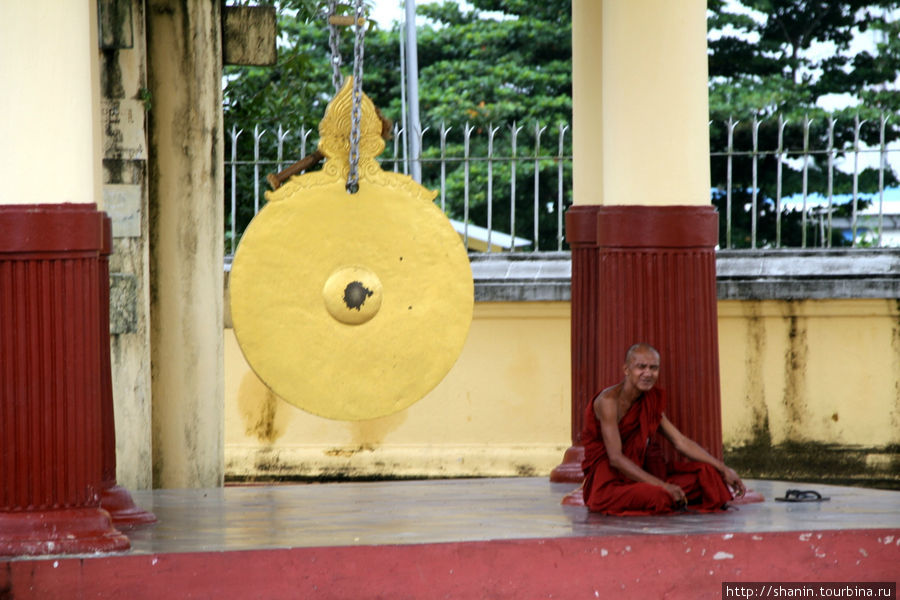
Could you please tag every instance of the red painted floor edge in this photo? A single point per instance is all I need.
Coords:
(639, 566)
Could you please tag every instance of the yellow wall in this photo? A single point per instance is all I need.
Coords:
(502, 410)
(814, 371)
(825, 371)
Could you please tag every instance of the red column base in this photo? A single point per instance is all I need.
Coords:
(570, 469)
(117, 501)
(50, 368)
(61, 531)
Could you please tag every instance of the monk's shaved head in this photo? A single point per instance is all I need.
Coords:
(640, 347)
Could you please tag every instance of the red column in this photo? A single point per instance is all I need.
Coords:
(646, 274)
(115, 499)
(581, 233)
(50, 429)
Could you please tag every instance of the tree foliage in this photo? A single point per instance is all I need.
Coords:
(505, 62)
(475, 72)
(783, 58)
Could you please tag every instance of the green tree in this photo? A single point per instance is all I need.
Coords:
(781, 61)
(488, 75)
(482, 72)
(474, 72)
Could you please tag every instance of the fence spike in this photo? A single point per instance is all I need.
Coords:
(802, 161)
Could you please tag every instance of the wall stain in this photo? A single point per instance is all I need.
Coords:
(347, 452)
(263, 412)
(367, 436)
(525, 471)
(795, 361)
(370, 434)
(268, 466)
(158, 464)
(895, 347)
(755, 396)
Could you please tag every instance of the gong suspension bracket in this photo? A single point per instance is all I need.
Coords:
(358, 21)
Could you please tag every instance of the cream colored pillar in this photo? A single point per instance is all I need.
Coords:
(587, 102)
(186, 221)
(640, 102)
(48, 111)
(655, 104)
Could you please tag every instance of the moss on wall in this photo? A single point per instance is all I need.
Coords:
(817, 462)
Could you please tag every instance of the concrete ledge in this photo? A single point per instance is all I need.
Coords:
(740, 275)
(530, 277)
(808, 274)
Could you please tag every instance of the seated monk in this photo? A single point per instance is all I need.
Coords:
(624, 470)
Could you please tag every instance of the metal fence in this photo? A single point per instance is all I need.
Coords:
(851, 204)
(506, 188)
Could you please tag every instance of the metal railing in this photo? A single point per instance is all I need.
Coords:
(482, 175)
(819, 212)
(448, 163)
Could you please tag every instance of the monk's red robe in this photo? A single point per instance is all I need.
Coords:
(608, 491)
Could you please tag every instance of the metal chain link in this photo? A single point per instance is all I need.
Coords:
(334, 44)
(356, 115)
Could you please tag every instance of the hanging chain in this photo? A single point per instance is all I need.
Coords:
(356, 115)
(334, 43)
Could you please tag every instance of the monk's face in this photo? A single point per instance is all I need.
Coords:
(642, 370)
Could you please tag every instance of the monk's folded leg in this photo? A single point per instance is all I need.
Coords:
(702, 485)
(631, 499)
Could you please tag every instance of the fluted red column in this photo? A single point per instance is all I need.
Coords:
(115, 499)
(646, 274)
(581, 233)
(50, 426)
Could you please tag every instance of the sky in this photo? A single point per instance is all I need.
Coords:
(385, 12)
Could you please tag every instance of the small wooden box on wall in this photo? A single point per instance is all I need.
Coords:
(248, 35)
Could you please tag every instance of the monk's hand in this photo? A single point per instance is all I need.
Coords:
(676, 492)
(733, 481)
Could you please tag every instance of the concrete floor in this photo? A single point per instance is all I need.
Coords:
(461, 510)
(475, 538)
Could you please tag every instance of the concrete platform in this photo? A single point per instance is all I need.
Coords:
(474, 538)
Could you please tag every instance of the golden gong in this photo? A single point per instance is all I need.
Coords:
(351, 306)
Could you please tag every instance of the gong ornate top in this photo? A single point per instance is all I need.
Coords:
(351, 306)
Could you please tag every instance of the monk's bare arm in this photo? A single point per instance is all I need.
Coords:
(695, 451)
(605, 409)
